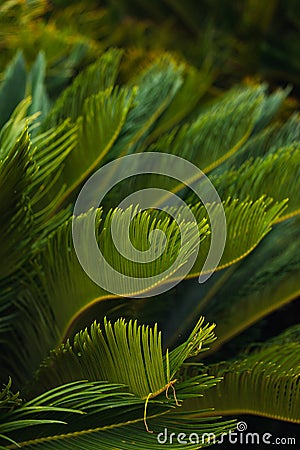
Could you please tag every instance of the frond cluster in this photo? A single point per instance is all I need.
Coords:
(99, 387)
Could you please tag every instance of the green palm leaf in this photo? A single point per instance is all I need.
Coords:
(78, 286)
(45, 292)
(268, 288)
(126, 435)
(77, 292)
(96, 78)
(15, 415)
(264, 382)
(16, 173)
(103, 354)
(12, 89)
(219, 131)
(268, 140)
(128, 368)
(103, 116)
(194, 86)
(278, 177)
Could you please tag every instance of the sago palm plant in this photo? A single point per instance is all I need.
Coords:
(84, 368)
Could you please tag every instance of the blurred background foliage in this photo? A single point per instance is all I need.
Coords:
(226, 40)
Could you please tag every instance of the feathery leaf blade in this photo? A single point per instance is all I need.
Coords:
(258, 288)
(276, 175)
(16, 217)
(264, 382)
(96, 78)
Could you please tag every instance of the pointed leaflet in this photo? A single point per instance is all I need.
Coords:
(103, 117)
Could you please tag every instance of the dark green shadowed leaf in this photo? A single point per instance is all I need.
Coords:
(12, 88)
(16, 218)
(40, 101)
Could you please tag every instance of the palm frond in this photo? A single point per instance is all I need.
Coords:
(51, 149)
(157, 86)
(16, 173)
(103, 117)
(278, 177)
(96, 78)
(12, 89)
(51, 412)
(264, 382)
(14, 127)
(268, 288)
(70, 291)
(247, 222)
(275, 136)
(214, 137)
(194, 86)
(132, 433)
(219, 131)
(103, 354)
(271, 107)
(125, 367)
(25, 318)
(16, 415)
(61, 279)
(19, 83)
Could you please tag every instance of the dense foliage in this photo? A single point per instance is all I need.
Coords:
(88, 373)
